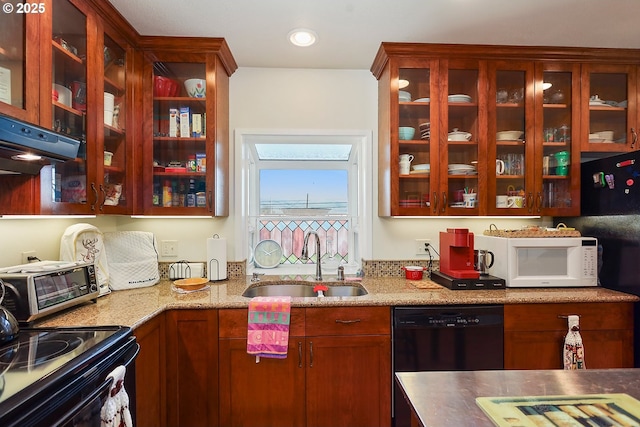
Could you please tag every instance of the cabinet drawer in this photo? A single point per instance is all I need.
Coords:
(348, 321)
(233, 322)
(552, 317)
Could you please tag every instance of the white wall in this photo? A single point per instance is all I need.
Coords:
(263, 98)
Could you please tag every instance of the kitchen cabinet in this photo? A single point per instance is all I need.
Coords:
(609, 108)
(534, 334)
(526, 119)
(337, 373)
(185, 155)
(192, 368)
(91, 71)
(151, 374)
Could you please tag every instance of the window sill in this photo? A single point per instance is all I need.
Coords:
(304, 269)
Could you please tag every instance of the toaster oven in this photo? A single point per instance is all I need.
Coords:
(42, 288)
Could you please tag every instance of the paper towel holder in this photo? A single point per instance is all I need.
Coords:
(216, 258)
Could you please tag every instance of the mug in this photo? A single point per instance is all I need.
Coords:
(406, 158)
(515, 202)
(501, 201)
(562, 170)
(405, 168)
(562, 158)
(499, 167)
(469, 200)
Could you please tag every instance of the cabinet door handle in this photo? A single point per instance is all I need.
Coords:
(311, 354)
(299, 354)
(444, 201)
(435, 202)
(104, 197)
(530, 202)
(95, 196)
(539, 202)
(634, 138)
(348, 322)
(210, 201)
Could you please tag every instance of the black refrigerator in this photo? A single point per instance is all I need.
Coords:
(610, 211)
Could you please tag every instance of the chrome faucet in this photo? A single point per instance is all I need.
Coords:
(305, 252)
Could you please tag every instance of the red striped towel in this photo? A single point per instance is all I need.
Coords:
(268, 327)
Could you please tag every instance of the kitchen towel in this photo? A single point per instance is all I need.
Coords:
(573, 349)
(268, 327)
(115, 411)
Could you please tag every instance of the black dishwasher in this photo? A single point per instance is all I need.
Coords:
(444, 338)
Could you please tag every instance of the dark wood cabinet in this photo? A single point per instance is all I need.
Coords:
(192, 368)
(337, 372)
(534, 334)
(151, 410)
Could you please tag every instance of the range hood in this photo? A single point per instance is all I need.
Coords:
(18, 138)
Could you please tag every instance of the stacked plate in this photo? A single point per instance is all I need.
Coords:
(461, 169)
(422, 100)
(425, 130)
(421, 168)
(404, 96)
(459, 98)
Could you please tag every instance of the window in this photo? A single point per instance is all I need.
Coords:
(296, 182)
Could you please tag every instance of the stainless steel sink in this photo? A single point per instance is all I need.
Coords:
(302, 289)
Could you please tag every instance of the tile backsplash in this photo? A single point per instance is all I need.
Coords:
(371, 268)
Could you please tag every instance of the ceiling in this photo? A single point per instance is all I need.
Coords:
(350, 31)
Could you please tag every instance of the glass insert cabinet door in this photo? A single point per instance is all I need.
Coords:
(69, 105)
(179, 137)
(412, 169)
(460, 159)
(18, 64)
(557, 138)
(609, 93)
(113, 158)
(510, 163)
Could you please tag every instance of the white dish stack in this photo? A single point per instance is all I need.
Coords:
(109, 101)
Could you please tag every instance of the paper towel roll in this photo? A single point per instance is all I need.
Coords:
(216, 258)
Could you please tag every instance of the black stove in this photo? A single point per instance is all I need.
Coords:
(46, 372)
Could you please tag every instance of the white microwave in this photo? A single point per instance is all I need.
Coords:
(539, 262)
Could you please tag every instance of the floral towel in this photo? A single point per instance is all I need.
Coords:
(573, 348)
(268, 327)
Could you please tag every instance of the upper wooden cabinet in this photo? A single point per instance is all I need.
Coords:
(185, 154)
(609, 108)
(506, 124)
(19, 41)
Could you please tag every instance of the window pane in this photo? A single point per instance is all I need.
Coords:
(303, 192)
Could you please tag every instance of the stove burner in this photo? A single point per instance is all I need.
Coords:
(43, 350)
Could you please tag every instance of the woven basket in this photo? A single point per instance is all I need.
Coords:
(560, 231)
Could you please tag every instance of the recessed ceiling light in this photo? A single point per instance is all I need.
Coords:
(302, 37)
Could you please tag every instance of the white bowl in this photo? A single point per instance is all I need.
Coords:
(64, 94)
(457, 135)
(196, 88)
(509, 135)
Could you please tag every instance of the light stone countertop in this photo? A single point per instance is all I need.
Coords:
(136, 306)
(445, 399)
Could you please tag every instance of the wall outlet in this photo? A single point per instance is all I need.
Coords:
(169, 248)
(421, 246)
(29, 256)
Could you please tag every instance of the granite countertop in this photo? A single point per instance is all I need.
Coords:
(136, 306)
(444, 399)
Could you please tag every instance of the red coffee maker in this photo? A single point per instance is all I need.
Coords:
(456, 254)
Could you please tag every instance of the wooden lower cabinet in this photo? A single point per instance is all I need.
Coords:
(150, 386)
(192, 368)
(534, 334)
(337, 372)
